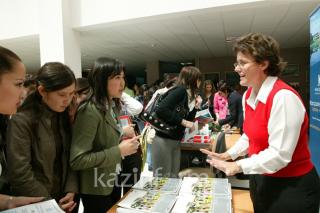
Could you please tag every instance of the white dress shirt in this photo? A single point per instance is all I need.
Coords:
(131, 105)
(286, 118)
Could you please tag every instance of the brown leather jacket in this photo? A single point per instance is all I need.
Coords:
(38, 160)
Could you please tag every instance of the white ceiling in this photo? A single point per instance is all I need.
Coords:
(183, 36)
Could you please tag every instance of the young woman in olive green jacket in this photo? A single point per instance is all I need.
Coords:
(96, 150)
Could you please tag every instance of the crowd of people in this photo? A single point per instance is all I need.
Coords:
(63, 138)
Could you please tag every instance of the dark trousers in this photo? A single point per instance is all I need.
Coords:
(130, 174)
(98, 203)
(291, 195)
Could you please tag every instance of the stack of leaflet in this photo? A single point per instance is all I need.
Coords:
(151, 194)
(212, 195)
(203, 116)
(201, 132)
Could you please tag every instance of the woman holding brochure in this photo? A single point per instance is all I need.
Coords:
(283, 178)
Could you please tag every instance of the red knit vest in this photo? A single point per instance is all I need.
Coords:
(255, 126)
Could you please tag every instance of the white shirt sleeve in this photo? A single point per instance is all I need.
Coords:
(133, 106)
(286, 118)
(240, 148)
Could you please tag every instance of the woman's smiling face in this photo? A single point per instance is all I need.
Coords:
(246, 67)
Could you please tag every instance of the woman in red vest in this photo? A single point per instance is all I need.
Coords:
(283, 178)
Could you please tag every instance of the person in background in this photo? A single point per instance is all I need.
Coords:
(39, 136)
(29, 86)
(131, 164)
(184, 94)
(23, 96)
(170, 81)
(82, 92)
(235, 116)
(129, 91)
(95, 151)
(207, 97)
(136, 90)
(283, 178)
(220, 100)
(141, 96)
(130, 81)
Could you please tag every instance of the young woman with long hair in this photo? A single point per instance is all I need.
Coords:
(39, 138)
(184, 94)
(96, 151)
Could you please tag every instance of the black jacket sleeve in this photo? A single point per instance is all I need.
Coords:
(233, 101)
(166, 109)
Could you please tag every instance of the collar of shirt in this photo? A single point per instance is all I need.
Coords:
(263, 93)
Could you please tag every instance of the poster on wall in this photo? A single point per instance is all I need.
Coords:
(315, 87)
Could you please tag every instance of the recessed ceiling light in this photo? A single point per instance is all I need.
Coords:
(231, 38)
(186, 63)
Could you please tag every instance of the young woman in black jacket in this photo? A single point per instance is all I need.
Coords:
(166, 148)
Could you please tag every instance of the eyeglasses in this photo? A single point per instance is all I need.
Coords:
(242, 64)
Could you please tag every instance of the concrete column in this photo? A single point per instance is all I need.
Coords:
(58, 41)
(152, 71)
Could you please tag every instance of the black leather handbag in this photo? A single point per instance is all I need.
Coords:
(149, 115)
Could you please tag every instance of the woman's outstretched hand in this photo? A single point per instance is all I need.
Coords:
(219, 161)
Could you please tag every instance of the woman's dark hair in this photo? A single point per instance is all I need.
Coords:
(222, 86)
(8, 59)
(171, 82)
(262, 48)
(103, 69)
(188, 78)
(52, 76)
(82, 85)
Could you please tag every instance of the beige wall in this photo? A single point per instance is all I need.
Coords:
(298, 56)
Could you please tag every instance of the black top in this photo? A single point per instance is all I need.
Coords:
(4, 185)
(166, 111)
(209, 105)
(235, 116)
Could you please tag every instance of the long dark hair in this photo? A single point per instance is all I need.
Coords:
(53, 76)
(103, 69)
(8, 59)
(188, 78)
